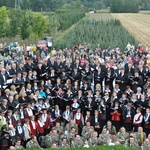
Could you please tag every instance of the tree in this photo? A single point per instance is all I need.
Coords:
(15, 16)
(124, 6)
(38, 24)
(3, 21)
(26, 28)
(3, 3)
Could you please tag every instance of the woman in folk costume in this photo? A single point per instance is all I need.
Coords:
(19, 130)
(102, 111)
(116, 116)
(147, 121)
(87, 117)
(46, 104)
(28, 111)
(56, 114)
(79, 120)
(67, 115)
(39, 104)
(10, 119)
(137, 120)
(12, 133)
(22, 113)
(27, 131)
(16, 115)
(33, 126)
(46, 119)
(75, 106)
(40, 126)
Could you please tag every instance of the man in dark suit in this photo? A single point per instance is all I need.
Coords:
(136, 81)
(109, 78)
(75, 75)
(63, 76)
(51, 62)
(128, 115)
(90, 105)
(40, 72)
(21, 68)
(87, 75)
(59, 67)
(52, 75)
(3, 77)
(147, 121)
(13, 70)
(29, 65)
(68, 67)
(99, 76)
(96, 121)
(129, 70)
(122, 80)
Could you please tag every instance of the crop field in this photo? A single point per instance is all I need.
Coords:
(100, 16)
(137, 24)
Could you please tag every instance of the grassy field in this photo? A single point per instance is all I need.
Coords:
(137, 24)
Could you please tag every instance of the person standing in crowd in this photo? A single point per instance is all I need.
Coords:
(75, 98)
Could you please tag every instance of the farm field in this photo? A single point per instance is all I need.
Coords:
(137, 24)
(99, 16)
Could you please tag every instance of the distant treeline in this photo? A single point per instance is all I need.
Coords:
(124, 6)
(52, 5)
(14, 22)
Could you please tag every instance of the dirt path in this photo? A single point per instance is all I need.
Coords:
(137, 24)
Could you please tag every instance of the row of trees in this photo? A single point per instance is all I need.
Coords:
(124, 6)
(105, 33)
(52, 5)
(14, 22)
(24, 23)
(67, 18)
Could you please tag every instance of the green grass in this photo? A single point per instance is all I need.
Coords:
(103, 11)
(99, 148)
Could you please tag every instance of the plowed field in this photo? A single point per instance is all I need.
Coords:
(137, 24)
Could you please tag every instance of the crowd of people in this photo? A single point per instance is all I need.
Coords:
(76, 97)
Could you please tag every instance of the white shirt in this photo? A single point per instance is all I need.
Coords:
(29, 111)
(137, 118)
(78, 116)
(44, 117)
(19, 129)
(33, 124)
(21, 114)
(40, 123)
(146, 117)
